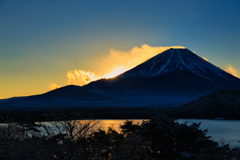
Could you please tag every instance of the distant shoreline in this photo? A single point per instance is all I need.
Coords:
(111, 113)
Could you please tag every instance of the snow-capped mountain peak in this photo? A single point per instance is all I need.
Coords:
(175, 60)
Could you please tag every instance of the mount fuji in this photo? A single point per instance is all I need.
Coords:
(173, 72)
(170, 79)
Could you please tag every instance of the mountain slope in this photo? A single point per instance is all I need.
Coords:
(223, 103)
(170, 79)
(175, 70)
(174, 60)
(68, 96)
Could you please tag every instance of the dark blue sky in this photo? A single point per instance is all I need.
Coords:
(40, 41)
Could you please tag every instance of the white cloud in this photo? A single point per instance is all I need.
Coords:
(52, 86)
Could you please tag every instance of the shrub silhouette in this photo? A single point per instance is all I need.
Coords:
(68, 138)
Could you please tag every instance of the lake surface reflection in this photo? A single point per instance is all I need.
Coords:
(115, 124)
(228, 130)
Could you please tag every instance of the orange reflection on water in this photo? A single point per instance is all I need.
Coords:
(115, 124)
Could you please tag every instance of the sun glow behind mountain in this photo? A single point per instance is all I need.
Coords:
(120, 61)
(78, 76)
(115, 72)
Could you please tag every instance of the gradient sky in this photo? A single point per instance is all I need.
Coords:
(40, 41)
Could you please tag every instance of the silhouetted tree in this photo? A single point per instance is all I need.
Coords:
(159, 138)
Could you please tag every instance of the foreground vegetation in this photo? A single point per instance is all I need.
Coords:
(157, 138)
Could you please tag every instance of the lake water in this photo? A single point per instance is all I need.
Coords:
(228, 130)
